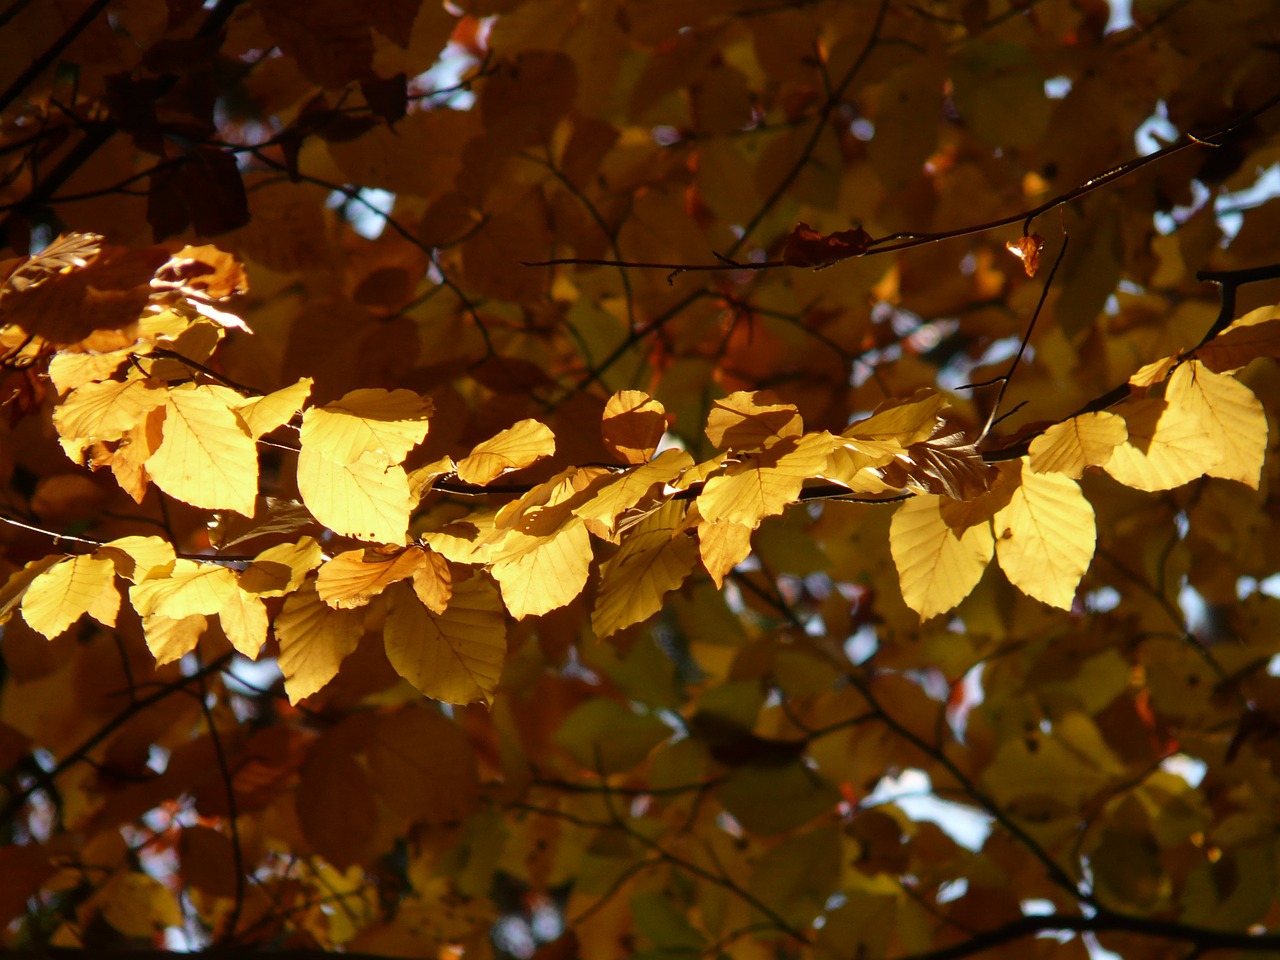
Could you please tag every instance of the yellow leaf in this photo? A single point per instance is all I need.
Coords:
(244, 620)
(424, 478)
(516, 447)
(1256, 334)
(1088, 440)
(139, 558)
(263, 414)
(367, 499)
(71, 370)
(465, 540)
(1230, 412)
(190, 587)
(102, 411)
(1167, 446)
(129, 459)
(59, 596)
(314, 640)
(654, 559)
(540, 573)
(901, 422)
(763, 485)
(1045, 537)
(354, 578)
(388, 423)
(456, 656)
(723, 545)
(281, 569)
(748, 421)
(937, 567)
(170, 640)
(628, 489)
(433, 582)
(633, 425)
(15, 587)
(699, 472)
(207, 457)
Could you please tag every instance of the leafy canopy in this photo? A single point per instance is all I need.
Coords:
(528, 475)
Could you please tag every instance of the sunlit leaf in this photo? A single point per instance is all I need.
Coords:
(314, 640)
(1087, 440)
(103, 411)
(455, 656)
(263, 414)
(654, 559)
(60, 595)
(1229, 412)
(513, 449)
(353, 578)
(1045, 537)
(626, 491)
(937, 565)
(745, 421)
(722, 545)
(367, 498)
(280, 570)
(633, 425)
(1167, 446)
(762, 485)
(385, 423)
(207, 456)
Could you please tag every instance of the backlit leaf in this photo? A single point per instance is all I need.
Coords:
(633, 425)
(207, 456)
(354, 578)
(263, 414)
(654, 559)
(762, 485)
(367, 498)
(1087, 440)
(59, 596)
(455, 656)
(140, 558)
(386, 423)
(516, 447)
(540, 573)
(433, 581)
(722, 545)
(1167, 446)
(627, 490)
(937, 565)
(1256, 334)
(191, 587)
(745, 421)
(103, 411)
(1229, 412)
(1045, 537)
(280, 570)
(314, 640)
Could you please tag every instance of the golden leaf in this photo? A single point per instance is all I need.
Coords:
(139, 558)
(243, 617)
(59, 596)
(633, 425)
(763, 485)
(129, 459)
(354, 578)
(722, 545)
(314, 640)
(747, 421)
(1045, 537)
(516, 447)
(207, 457)
(433, 581)
(1167, 446)
(102, 411)
(388, 423)
(169, 639)
(899, 422)
(654, 559)
(948, 465)
(628, 489)
(281, 569)
(15, 587)
(539, 573)
(937, 566)
(1087, 440)
(69, 371)
(1229, 412)
(191, 587)
(1256, 334)
(455, 656)
(367, 498)
(263, 414)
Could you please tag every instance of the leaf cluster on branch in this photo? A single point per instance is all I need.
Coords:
(532, 478)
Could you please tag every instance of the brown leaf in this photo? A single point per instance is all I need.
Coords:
(807, 247)
(1027, 249)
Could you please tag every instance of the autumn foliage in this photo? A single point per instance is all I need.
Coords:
(503, 478)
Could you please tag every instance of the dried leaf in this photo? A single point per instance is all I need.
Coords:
(807, 247)
(1027, 249)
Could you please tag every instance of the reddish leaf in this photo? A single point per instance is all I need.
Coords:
(807, 247)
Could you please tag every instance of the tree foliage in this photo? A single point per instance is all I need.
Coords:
(517, 475)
